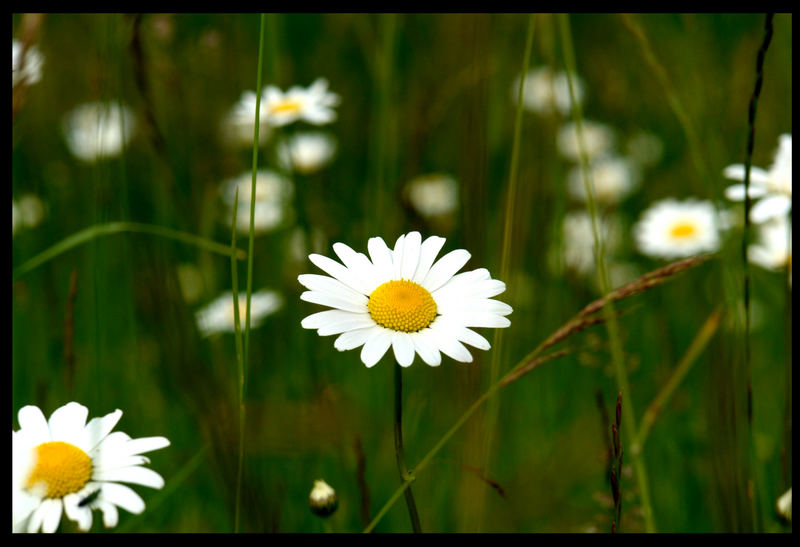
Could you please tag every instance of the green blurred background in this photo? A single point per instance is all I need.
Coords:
(420, 93)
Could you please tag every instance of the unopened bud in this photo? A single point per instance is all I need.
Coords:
(323, 500)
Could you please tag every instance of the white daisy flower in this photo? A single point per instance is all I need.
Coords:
(273, 200)
(322, 499)
(676, 229)
(433, 195)
(25, 70)
(784, 505)
(67, 465)
(314, 105)
(546, 91)
(598, 140)
(771, 188)
(613, 179)
(401, 299)
(307, 152)
(238, 125)
(27, 211)
(98, 130)
(218, 315)
(773, 250)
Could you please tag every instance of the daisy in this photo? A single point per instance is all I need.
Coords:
(675, 229)
(322, 499)
(306, 153)
(784, 505)
(313, 105)
(98, 130)
(67, 465)
(598, 140)
(28, 211)
(273, 198)
(771, 188)
(546, 91)
(578, 240)
(401, 299)
(27, 69)
(613, 179)
(238, 125)
(433, 195)
(218, 315)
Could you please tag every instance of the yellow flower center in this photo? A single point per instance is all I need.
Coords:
(61, 468)
(683, 230)
(242, 311)
(288, 107)
(402, 306)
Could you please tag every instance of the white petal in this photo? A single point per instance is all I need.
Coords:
(736, 172)
(426, 347)
(735, 192)
(146, 444)
(472, 338)
(427, 255)
(133, 475)
(345, 321)
(381, 258)
(51, 516)
(325, 284)
(67, 422)
(33, 423)
(478, 319)
(81, 515)
(474, 305)
(770, 207)
(375, 346)
(327, 317)
(403, 349)
(336, 270)
(110, 513)
(334, 301)
(354, 338)
(411, 255)
(397, 256)
(97, 428)
(359, 265)
(454, 349)
(124, 497)
(444, 269)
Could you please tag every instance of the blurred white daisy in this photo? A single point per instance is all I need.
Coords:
(314, 105)
(598, 140)
(433, 195)
(771, 188)
(25, 69)
(27, 211)
(546, 91)
(773, 249)
(67, 465)
(273, 200)
(613, 178)
(401, 299)
(306, 152)
(238, 125)
(98, 130)
(676, 229)
(578, 240)
(645, 148)
(218, 315)
(322, 499)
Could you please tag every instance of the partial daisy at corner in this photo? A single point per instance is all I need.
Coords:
(65, 465)
(404, 299)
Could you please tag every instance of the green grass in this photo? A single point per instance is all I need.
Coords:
(99, 317)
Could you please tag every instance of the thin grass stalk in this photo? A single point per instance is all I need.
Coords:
(382, 72)
(109, 228)
(505, 260)
(608, 309)
(239, 365)
(696, 347)
(398, 447)
(528, 362)
(251, 244)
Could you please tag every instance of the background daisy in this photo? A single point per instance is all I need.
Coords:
(314, 105)
(66, 465)
(217, 316)
(674, 229)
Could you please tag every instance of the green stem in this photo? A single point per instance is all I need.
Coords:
(608, 309)
(398, 446)
(239, 363)
(97, 230)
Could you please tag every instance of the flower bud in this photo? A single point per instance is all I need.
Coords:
(323, 500)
